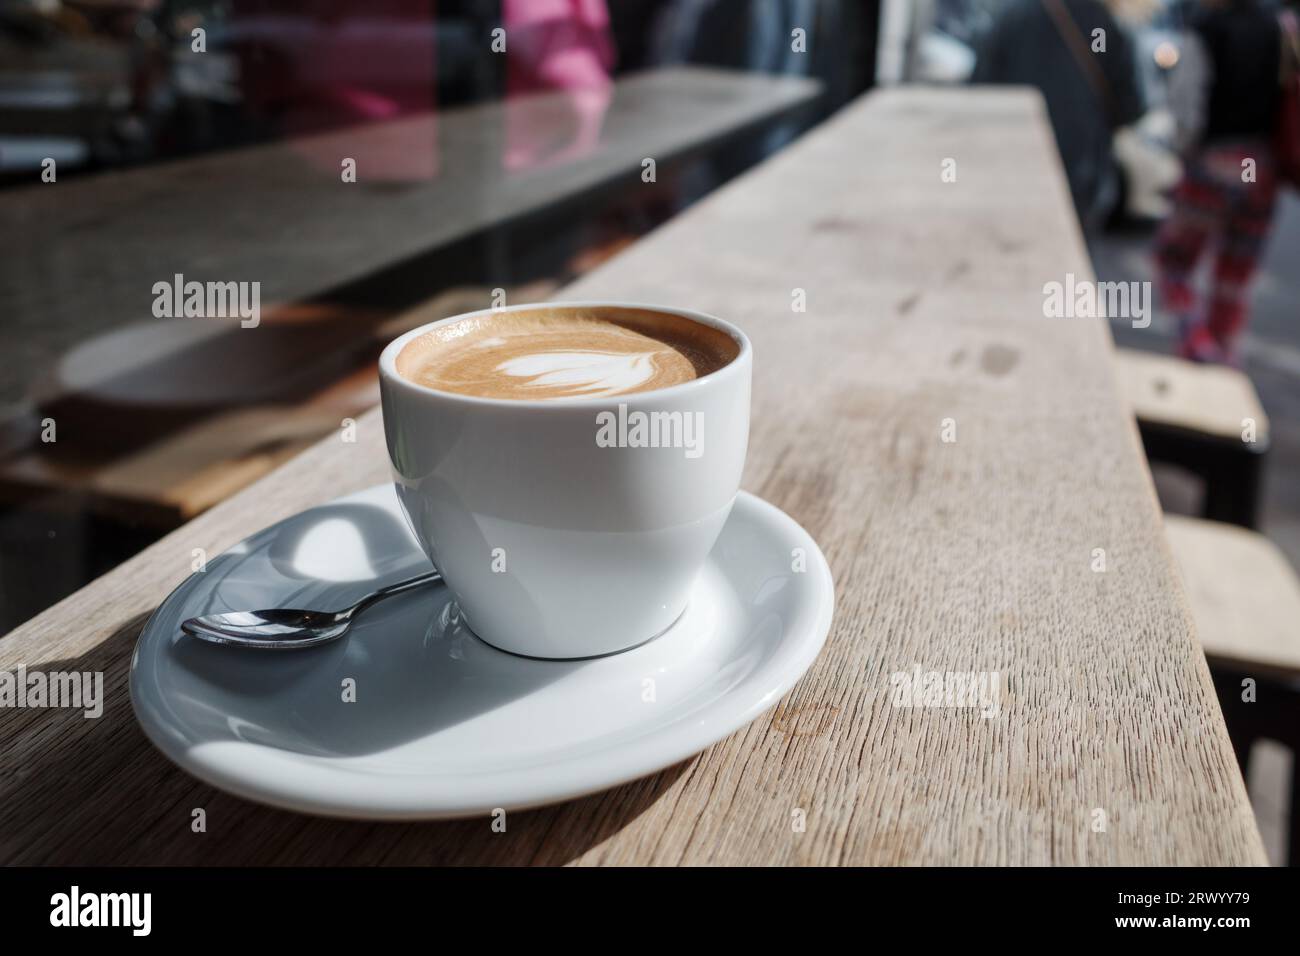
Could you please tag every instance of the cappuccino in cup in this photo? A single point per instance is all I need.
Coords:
(517, 439)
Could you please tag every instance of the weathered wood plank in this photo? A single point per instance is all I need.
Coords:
(924, 304)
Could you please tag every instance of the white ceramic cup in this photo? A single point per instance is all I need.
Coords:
(555, 544)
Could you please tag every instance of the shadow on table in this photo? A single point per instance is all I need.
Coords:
(96, 792)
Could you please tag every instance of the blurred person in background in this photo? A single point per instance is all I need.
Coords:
(1089, 80)
(1228, 95)
(557, 45)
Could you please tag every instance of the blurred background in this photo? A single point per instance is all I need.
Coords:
(141, 139)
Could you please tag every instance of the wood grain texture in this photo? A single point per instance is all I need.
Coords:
(924, 303)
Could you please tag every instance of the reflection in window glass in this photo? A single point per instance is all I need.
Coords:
(218, 211)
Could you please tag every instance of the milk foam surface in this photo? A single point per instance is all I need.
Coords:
(556, 353)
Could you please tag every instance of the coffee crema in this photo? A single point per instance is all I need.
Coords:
(565, 352)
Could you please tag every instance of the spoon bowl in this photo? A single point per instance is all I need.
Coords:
(290, 628)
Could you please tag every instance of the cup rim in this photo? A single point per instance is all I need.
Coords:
(388, 358)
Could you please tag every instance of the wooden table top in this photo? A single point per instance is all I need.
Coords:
(924, 303)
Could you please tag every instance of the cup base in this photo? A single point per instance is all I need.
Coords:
(458, 616)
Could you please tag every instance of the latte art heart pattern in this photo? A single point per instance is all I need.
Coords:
(587, 373)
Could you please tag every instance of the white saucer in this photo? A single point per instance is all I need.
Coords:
(442, 724)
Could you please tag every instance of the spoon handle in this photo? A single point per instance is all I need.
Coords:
(398, 588)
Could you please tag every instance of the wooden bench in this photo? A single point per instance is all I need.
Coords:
(960, 460)
(178, 475)
(1245, 599)
(1205, 418)
(1244, 594)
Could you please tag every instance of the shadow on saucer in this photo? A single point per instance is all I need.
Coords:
(330, 555)
(406, 669)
